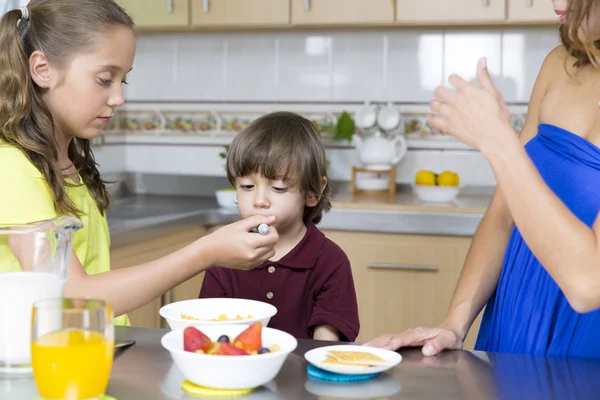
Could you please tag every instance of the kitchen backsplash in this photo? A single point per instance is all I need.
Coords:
(340, 66)
(189, 94)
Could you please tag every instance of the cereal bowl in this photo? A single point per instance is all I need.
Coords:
(225, 371)
(216, 311)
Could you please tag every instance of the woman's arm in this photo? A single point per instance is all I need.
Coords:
(478, 279)
(567, 248)
(481, 271)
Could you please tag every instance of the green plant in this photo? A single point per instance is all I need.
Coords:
(223, 154)
(344, 128)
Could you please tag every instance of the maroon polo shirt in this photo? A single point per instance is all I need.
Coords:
(312, 285)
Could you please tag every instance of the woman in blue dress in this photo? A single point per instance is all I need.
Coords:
(535, 258)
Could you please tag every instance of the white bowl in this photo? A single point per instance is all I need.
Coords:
(207, 309)
(227, 198)
(436, 194)
(230, 372)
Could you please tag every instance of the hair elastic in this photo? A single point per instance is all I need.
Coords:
(24, 13)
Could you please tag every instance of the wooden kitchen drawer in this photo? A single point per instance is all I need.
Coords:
(342, 12)
(450, 12)
(402, 281)
(230, 13)
(158, 13)
(145, 251)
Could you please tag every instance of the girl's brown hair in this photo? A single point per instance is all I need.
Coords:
(578, 15)
(283, 145)
(60, 29)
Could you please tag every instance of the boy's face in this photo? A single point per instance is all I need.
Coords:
(257, 195)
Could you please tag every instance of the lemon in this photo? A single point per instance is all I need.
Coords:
(448, 178)
(425, 177)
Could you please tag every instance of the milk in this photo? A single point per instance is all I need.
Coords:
(18, 292)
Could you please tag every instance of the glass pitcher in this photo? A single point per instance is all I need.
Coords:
(34, 261)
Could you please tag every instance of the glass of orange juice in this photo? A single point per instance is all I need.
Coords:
(72, 348)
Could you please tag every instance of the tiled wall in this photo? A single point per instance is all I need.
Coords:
(329, 66)
(389, 65)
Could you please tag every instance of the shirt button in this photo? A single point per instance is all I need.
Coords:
(269, 295)
(271, 269)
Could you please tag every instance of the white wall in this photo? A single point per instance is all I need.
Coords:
(322, 67)
(388, 65)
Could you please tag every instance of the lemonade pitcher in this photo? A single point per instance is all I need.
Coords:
(34, 261)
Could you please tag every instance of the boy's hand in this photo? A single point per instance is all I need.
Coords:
(234, 246)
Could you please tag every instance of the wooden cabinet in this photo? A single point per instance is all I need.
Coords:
(144, 251)
(189, 14)
(240, 12)
(403, 281)
(450, 11)
(531, 11)
(158, 13)
(342, 12)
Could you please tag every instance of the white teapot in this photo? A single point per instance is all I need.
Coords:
(376, 152)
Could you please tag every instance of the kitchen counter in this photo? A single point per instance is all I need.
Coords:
(146, 372)
(142, 217)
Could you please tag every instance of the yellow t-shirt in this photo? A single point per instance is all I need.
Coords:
(25, 198)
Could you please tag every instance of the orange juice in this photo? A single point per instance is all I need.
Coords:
(72, 364)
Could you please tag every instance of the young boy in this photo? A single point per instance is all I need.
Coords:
(278, 167)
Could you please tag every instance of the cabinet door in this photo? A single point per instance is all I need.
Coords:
(342, 12)
(145, 251)
(240, 12)
(531, 11)
(450, 11)
(402, 281)
(158, 13)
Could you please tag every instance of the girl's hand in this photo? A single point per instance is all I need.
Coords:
(234, 246)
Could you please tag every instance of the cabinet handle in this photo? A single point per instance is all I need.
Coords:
(485, 3)
(205, 6)
(169, 6)
(404, 267)
(529, 3)
(306, 5)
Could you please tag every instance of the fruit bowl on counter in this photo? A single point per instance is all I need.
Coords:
(431, 187)
(229, 356)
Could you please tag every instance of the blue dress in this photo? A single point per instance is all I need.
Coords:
(528, 312)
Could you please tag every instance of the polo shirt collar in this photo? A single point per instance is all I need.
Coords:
(304, 255)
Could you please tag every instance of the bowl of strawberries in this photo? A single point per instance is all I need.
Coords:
(229, 356)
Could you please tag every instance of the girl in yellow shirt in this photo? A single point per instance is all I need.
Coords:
(62, 66)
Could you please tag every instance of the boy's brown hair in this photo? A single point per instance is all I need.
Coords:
(283, 145)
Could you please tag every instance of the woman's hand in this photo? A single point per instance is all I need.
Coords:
(433, 340)
(476, 115)
(234, 246)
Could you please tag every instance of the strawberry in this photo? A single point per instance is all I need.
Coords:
(227, 349)
(194, 340)
(251, 338)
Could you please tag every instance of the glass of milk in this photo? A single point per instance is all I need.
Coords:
(34, 261)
